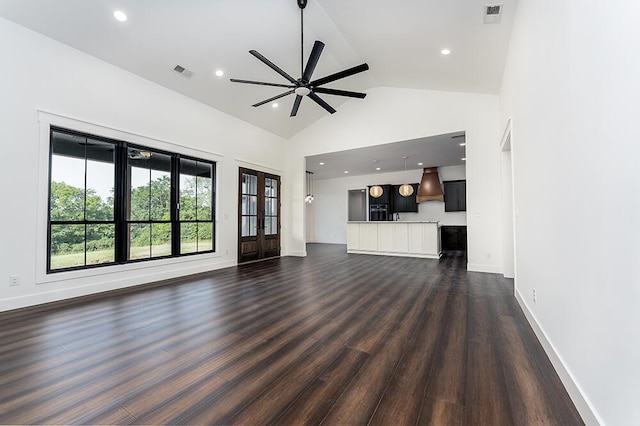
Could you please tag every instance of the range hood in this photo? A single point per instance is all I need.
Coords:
(430, 188)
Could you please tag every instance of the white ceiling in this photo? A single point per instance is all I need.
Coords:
(434, 151)
(401, 41)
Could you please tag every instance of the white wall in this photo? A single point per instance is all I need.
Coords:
(392, 115)
(41, 74)
(329, 209)
(571, 86)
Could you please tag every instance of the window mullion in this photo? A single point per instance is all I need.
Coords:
(121, 197)
(84, 207)
(175, 199)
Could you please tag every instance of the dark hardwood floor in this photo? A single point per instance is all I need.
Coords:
(328, 339)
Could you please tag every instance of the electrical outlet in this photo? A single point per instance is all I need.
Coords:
(14, 280)
(226, 251)
(535, 296)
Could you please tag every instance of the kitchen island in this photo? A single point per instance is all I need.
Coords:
(408, 239)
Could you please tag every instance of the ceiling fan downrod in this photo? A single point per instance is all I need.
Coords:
(302, 4)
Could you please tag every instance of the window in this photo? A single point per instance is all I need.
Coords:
(194, 210)
(270, 206)
(149, 204)
(114, 202)
(249, 211)
(81, 213)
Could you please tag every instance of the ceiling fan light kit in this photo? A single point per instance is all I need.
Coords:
(304, 86)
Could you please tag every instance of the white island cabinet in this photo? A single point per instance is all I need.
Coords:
(410, 239)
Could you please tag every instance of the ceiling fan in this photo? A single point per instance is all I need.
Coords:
(304, 86)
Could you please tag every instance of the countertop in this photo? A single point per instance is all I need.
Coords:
(393, 221)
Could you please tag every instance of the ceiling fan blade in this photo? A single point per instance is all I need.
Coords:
(272, 66)
(320, 102)
(313, 60)
(261, 83)
(339, 75)
(266, 101)
(296, 105)
(340, 92)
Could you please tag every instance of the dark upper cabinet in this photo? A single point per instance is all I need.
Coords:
(405, 204)
(455, 195)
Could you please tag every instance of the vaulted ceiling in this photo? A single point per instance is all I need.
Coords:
(401, 41)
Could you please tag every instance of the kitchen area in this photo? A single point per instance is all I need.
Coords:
(403, 206)
(385, 234)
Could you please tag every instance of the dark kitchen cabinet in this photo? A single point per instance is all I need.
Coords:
(453, 237)
(381, 208)
(455, 196)
(405, 204)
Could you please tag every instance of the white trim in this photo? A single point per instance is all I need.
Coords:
(113, 133)
(259, 167)
(47, 120)
(506, 145)
(55, 295)
(505, 142)
(577, 395)
(296, 253)
(479, 267)
(387, 253)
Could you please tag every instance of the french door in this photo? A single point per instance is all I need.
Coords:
(258, 215)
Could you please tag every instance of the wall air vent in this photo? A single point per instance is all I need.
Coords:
(492, 13)
(183, 71)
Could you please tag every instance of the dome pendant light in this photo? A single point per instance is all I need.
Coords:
(405, 189)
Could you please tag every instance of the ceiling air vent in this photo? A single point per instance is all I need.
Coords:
(492, 13)
(183, 71)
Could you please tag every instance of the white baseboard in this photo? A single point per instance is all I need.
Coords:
(478, 267)
(387, 253)
(582, 403)
(296, 253)
(56, 295)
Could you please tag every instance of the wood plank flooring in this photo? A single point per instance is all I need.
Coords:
(327, 339)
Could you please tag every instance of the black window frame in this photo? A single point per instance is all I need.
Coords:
(122, 196)
(179, 220)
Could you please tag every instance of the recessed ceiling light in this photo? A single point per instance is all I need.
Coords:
(445, 51)
(463, 144)
(219, 73)
(322, 164)
(346, 171)
(464, 158)
(274, 105)
(420, 164)
(377, 168)
(120, 15)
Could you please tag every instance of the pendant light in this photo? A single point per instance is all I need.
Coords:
(405, 189)
(376, 191)
(309, 197)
